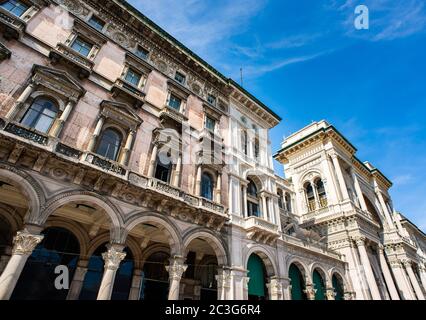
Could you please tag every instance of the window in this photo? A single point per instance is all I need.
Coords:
(133, 77)
(211, 99)
(256, 148)
(207, 186)
(252, 200)
(321, 193)
(82, 46)
(40, 115)
(288, 202)
(175, 102)
(210, 123)
(244, 142)
(15, 7)
(110, 144)
(310, 197)
(163, 170)
(142, 53)
(280, 199)
(96, 23)
(179, 77)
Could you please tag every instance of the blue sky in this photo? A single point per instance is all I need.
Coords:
(307, 62)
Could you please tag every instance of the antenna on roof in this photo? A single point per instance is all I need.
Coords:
(241, 74)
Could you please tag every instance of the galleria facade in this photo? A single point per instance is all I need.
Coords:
(149, 175)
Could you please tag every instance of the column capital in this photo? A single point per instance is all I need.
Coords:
(113, 257)
(224, 278)
(176, 268)
(310, 291)
(406, 263)
(349, 296)
(25, 242)
(330, 293)
(359, 241)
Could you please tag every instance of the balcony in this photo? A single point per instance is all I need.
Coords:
(67, 55)
(122, 87)
(168, 113)
(68, 151)
(261, 230)
(5, 53)
(27, 133)
(14, 26)
(105, 164)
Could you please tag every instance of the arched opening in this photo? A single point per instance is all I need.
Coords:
(95, 271)
(253, 202)
(337, 282)
(372, 209)
(37, 281)
(199, 280)
(163, 170)
(207, 186)
(310, 197)
(257, 290)
(124, 277)
(318, 285)
(110, 144)
(280, 199)
(6, 237)
(297, 283)
(40, 115)
(155, 278)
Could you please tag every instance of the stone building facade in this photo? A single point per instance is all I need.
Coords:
(149, 175)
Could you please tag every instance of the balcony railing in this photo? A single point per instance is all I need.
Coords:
(129, 89)
(105, 164)
(173, 114)
(261, 224)
(63, 52)
(68, 151)
(14, 25)
(26, 133)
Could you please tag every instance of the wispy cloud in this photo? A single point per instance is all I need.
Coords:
(295, 41)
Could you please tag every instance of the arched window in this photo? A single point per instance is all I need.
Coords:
(321, 193)
(338, 287)
(41, 115)
(319, 285)
(310, 197)
(257, 273)
(124, 277)
(155, 278)
(244, 142)
(288, 202)
(207, 186)
(110, 144)
(280, 199)
(297, 283)
(252, 200)
(163, 170)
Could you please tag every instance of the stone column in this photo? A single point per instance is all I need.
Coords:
(387, 275)
(340, 177)
(128, 147)
(178, 172)
(21, 100)
(219, 188)
(4, 259)
(176, 269)
(153, 161)
(285, 282)
(365, 261)
(198, 181)
(316, 195)
(385, 209)
(264, 207)
(422, 270)
(96, 134)
(136, 285)
(330, 294)
(413, 279)
(244, 206)
(401, 280)
(310, 291)
(223, 284)
(112, 258)
(333, 191)
(359, 191)
(24, 244)
(78, 280)
(64, 117)
(275, 289)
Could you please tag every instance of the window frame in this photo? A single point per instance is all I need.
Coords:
(28, 109)
(23, 3)
(117, 130)
(95, 17)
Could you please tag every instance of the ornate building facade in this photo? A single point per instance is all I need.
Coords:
(149, 175)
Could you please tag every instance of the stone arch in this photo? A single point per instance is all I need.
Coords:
(84, 196)
(151, 250)
(321, 270)
(49, 96)
(371, 206)
(301, 265)
(75, 229)
(96, 243)
(160, 221)
(8, 213)
(339, 274)
(311, 175)
(216, 244)
(267, 258)
(27, 185)
(258, 179)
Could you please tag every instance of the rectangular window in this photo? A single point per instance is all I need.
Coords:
(179, 77)
(175, 102)
(211, 99)
(142, 53)
(15, 7)
(82, 47)
(96, 23)
(133, 77)
(210, 124)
